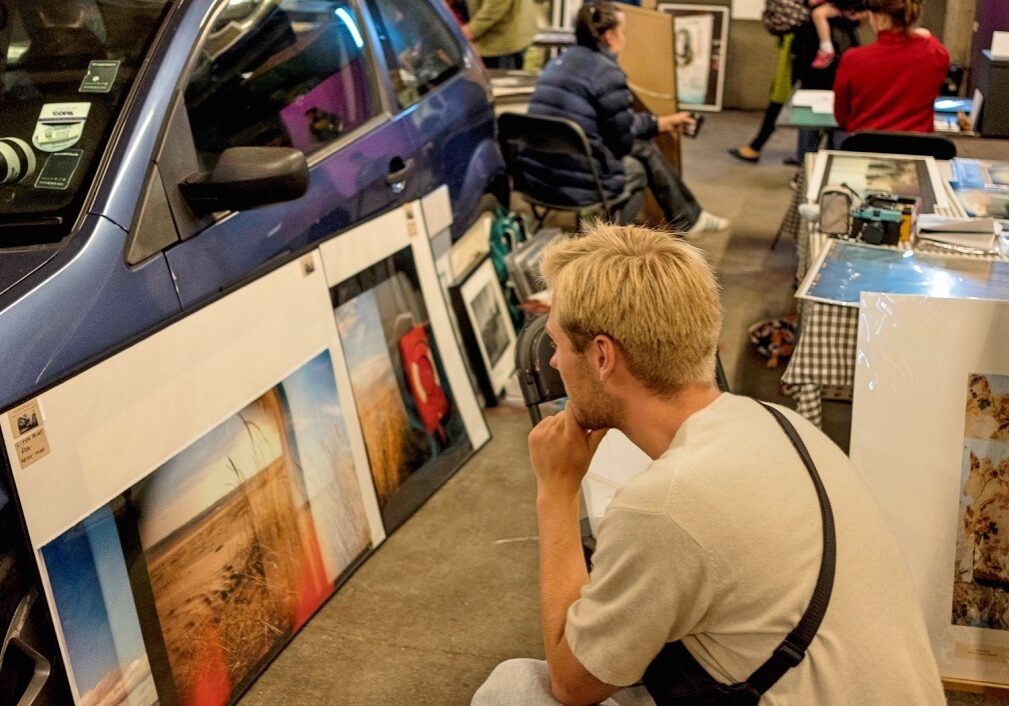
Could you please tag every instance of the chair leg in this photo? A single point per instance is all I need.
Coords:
(777, 237)
(539, 217)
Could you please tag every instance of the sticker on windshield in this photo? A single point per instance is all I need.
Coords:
(58, 170)
(60, 126)
(100, 76)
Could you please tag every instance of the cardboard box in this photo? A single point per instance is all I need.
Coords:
(649, 60)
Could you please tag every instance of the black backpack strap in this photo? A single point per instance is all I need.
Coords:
(793, 648)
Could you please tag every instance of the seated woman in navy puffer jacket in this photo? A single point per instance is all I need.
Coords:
(585, 84)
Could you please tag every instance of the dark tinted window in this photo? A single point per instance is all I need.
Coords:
(293, 74)
(420, 49)
(65, 68)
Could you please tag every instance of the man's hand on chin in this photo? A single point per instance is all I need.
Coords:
(560, 452)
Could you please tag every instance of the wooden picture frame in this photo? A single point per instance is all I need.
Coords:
(701, 48)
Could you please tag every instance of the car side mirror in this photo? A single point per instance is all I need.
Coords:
(246, 177)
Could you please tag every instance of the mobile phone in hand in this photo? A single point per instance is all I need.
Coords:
(693, 130)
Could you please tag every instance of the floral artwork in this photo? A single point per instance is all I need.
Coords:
(981, 573)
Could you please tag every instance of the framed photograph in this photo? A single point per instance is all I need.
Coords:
(930, 437)
(486, 328)
(417, 408)
(702, 43)
(183, 536)
(523, 263)
(562, 13)
(905, 175)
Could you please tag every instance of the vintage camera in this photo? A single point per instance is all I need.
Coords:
(876, 226)
(907, 206)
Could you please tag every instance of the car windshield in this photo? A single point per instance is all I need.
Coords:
(65, 68)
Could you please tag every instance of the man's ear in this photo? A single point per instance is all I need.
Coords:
(606, 355)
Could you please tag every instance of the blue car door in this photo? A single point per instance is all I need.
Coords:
(439, 85)
(298, 74)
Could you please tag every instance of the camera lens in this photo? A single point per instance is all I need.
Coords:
(872, 233)
(17, 160)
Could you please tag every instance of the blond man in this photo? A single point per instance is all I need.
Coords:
(719, 542)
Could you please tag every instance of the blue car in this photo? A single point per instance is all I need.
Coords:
(158, 157)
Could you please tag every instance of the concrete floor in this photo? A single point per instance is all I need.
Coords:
(453, 591)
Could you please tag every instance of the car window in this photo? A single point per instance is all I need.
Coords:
(66, 67)
(289, 74)
(420, 49)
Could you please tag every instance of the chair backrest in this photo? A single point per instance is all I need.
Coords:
(539, 134)
(538, 380)
(542, 383)
(918, 143)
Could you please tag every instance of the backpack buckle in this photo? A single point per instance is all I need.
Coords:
(790, 653)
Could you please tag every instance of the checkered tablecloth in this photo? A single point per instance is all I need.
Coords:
(825, 352)
(824, 355)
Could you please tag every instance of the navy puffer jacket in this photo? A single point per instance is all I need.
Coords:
(590, 88)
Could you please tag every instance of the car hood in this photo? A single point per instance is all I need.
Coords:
(15, 265)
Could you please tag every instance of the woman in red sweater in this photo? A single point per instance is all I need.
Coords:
(892, 83)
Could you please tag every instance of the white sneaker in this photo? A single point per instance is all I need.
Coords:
(707, 222)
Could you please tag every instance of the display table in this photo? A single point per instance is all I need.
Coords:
(803, 117)
(823, 362)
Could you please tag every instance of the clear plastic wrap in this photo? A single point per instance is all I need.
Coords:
(930, 437)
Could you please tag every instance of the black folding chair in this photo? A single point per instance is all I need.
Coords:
(918, 143)
(542, 383)
(537, 135)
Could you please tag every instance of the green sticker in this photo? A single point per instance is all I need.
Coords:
(100, 77)
(58, 170)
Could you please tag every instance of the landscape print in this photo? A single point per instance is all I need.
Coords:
(413, 432)
(981, 575)
(904, 177)
(317, 428)
(246, 531)
(97, 616)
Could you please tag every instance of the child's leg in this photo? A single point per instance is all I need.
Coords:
(821, 15)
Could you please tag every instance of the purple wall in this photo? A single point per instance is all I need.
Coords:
(991, 16)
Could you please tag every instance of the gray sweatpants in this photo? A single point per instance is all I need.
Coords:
(526, 682)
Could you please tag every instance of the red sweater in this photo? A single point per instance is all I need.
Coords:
(890, 84)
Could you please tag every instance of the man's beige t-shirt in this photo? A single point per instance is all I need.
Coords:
(719, 544)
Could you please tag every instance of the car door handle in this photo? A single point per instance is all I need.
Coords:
(18, 638)
(399, 170)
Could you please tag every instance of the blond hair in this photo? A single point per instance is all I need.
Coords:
(654, 294)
